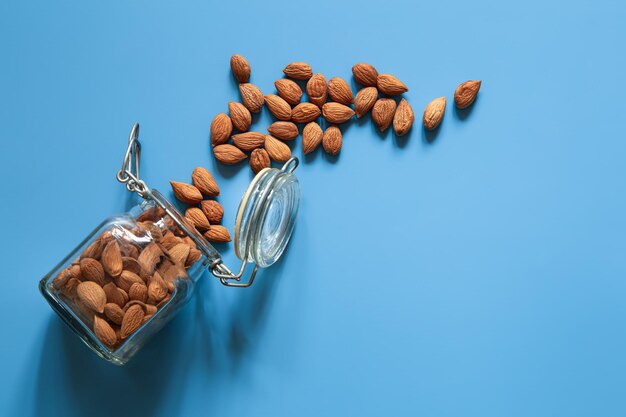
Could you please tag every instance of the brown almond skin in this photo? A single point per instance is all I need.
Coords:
(283, 130)
(214, 210)
(337, 113)
(332, 140)
(218, 234)
(133, 319)
(114, 312)
(289, 91)
(228, 154)
(298, 71)
(104, 331)
(240, 67)
(221, 129)
(305, 113)
(92, 270)
(276, 149)
(403, 119)
(197, 218)
(433, 114)
(240, 116)
(138, 291)
(127, 279)
(317, 89)
(278, 107)
(365, 74)
(251, 97)
(187, 193)
(148, 259)
(390, 85)
(365, 100)
(339, 91)
(113, 295)
(383, 112)
(466, 93)
(204, 182)
(112, 259)
(179, 253)
(259, 159)
(311, 137)
(91, 295)
(248, 141)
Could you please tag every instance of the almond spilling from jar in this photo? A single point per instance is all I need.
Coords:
(187, 193)
(365, 74)
(332, 140)
(276, 149)
(259, 159)
(283, 130)
(337, 113)
(204, 182)
(278, 107)
(316, 89)
(466, 93)
(248, 141)
(227, 154)
(390, 85)
(240, 67)
(218, 234)
(339, 91)
(221, 129)
(383, 112)
(196, 217)
(433, 114)
(365, 100)
(403, 119)
(288, 90)
(298, 71)
(240, 116)
(305, 112)
(311, 137)
(214, 210)
(251, 97)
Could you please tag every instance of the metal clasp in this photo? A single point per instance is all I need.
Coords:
(129, 173)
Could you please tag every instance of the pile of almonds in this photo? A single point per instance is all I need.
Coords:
(120, 280)
(332, 100)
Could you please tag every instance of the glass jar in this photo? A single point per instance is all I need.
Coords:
(135, 271)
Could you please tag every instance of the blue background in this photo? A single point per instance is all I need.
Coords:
(479, 271)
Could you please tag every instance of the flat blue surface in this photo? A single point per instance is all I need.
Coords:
(481, 273)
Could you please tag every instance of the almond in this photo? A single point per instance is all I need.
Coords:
(133, 318)
(91, 295)
(298, 71)
(240, 67)
(91, 270)
(365, 74)
(289, 91)
(365, 99)
(114, 312)
(221, 129)
(187, 193)
(94, 250)
(276, 149)
(311, 137)
(403, 119)
(228, 154)
(131, 264)
(112, 259)
(148, 259)
(304, 113)
(218, 234)
(70, 287)
(61, 279)
(390, 85)
(127, 279)
(337, 113)
(433, 114)
(283, 130)
(251, 97)
(204, 182)
(240, 116)
(259, 159)
(179, 253)
(466, 92)
(248, 141)
(382, 113)
(339, 91)
(214, 210)
(104, 331)
(279, 107)
(197, 218)
(113, 295)
(157, 289)
(332, 140)
(138, 291)
(316, 89)
(194, 256)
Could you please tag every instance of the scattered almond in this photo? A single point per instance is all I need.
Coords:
(104, 331)
(228, 154)
(91, 295)
(197, 218)
(316, 89)
(364, 101)
(112, 259)
(133, 318)
(240, 67)
(204, 182)
(298, 71)
(339, 91)
(403, 119)
(251, 97)
(240, 116)
(276, 149)
(248, 141)
(218, 234)
(466, 93)
(304, 113)
(214, 210)
(382, 113)
(259, 159)
(278, 106)
(365, 74)
(283, 130)
(221, 129)
(332, 140)
(288, 90)
(311, 137)
(433, 114)
(390, 85)
(187, 193)
(337, 113)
